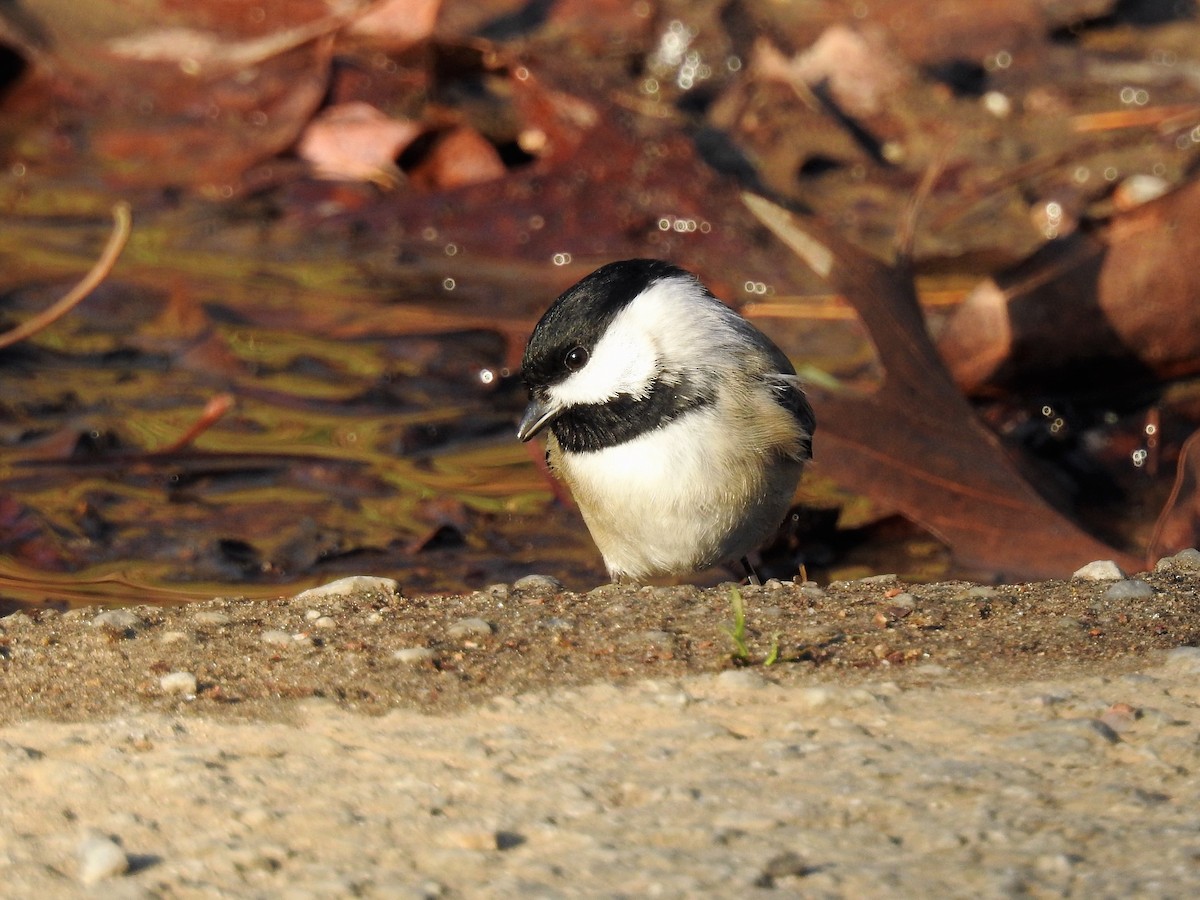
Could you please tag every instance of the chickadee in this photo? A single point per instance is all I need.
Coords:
(679, 426)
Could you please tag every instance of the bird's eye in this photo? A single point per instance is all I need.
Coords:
(576, 358)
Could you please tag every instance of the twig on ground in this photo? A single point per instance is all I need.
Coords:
(116, 243)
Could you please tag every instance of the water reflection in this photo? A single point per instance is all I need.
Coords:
(381, 451)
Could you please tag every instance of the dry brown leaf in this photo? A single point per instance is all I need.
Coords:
(356, 142)
(399, 23)
(1178, 526)
(461, 157)
(858, 66)
(915, 443)
(206, 53)
(1126, 296)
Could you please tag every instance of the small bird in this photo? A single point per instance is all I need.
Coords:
(680, 428)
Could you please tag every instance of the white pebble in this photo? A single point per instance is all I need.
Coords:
(1185, 560)
(413, 655)
(538, 583)
(121, 619)
(278, 638)
(211, 617)
(1100, 570)
(888, 578)
(350, 586)
(810, 590)
(469, 628)
(1129, 589)
(178, 683)
(100, 857)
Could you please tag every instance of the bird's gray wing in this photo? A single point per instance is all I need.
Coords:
(788, 392)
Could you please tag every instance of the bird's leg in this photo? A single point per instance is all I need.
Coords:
(751, 575)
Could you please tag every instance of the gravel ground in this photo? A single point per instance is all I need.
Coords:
(910, 740)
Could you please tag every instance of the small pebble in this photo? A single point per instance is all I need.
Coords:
(538, 583)
(740, 680)
(981, 592)
(413, 655)
(810, 590)
(903, 600)
(100, 857)
(1184, 561)
(324, 622)
(1100, 570)
(1120, 717)
(602, 591)
(472, 627)
(350, 586)
(120, 619)
(211, 617)
(783, 865)
(499, 591)
(1063, 738)
(173, 637)
(278, 638)
(1129, 589)
(889, 578)
(1183, 660)
(657, 637)
(178, 683)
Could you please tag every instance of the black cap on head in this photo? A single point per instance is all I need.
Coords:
(581, 315)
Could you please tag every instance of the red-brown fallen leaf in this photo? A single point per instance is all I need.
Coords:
(461, 157)
(185, 97)
(857, 66)
(915, 442)
(1125, 295)
(207, 53)
(1178, 525)
(398, 23)
(206, 135)
(356, 142)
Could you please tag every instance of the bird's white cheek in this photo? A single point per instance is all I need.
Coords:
(624, 361)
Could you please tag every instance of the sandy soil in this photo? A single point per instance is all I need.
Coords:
(947, 739)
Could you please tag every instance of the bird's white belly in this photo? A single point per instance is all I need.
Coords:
(668, 501)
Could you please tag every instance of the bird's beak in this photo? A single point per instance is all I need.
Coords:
(538, 414)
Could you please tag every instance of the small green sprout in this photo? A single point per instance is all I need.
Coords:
(737, 633)
(741, 650)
